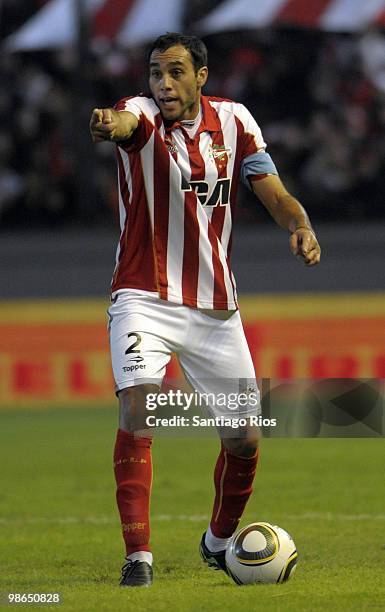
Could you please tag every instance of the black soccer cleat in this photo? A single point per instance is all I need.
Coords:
(215, 561)
(136, 574)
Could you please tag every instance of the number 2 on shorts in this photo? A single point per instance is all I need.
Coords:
(132, 348)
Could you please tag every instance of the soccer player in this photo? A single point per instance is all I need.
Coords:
(180, 156)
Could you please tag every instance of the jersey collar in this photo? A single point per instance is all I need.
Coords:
(210, 119)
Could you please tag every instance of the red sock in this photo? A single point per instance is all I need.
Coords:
(233, 479)
(133, 475)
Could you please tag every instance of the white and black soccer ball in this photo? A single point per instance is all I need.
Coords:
(261, 553)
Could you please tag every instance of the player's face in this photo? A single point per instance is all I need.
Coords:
(174, 83)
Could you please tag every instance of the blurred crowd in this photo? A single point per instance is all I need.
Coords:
(319, 98)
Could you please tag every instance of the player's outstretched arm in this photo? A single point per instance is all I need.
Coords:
(107, 124)
(290, 215)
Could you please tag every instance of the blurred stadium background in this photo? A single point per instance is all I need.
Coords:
(313, 75)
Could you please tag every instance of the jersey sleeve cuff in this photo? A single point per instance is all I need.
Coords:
(256, 166)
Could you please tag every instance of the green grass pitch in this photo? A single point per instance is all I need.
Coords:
(60, 530)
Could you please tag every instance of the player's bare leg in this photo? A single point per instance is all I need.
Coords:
(132, 409)
(233, 478)
(245, 444)
(133, 474)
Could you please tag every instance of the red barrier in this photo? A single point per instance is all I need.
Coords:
(57, 352)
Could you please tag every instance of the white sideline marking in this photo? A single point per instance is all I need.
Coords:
(192, 518)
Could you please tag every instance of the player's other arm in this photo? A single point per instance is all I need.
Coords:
(290, 215)
(107, 124)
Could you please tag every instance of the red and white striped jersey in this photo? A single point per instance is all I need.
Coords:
(177, 197)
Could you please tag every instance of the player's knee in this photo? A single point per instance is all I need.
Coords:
(245, 444)
(132, 407)
(242, 447)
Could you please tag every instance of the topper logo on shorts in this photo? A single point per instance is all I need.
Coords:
(134, 368)
(133, 349)
(138, 359)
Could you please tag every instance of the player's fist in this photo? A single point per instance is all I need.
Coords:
(107, 124)
(304, 244)
(103, 124)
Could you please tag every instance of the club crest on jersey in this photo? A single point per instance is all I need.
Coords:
(220, 155)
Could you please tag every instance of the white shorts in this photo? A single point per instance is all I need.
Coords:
(213, 352)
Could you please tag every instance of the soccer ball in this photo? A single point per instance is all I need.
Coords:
(261, 552)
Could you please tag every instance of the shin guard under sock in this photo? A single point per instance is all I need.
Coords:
(233, 479)
(133, 475)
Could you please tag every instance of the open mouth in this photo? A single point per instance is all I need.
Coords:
(169, 101)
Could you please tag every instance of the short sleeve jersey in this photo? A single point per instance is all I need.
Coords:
(177, 198)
